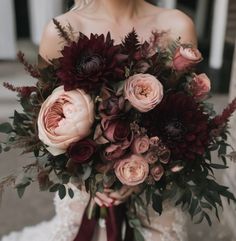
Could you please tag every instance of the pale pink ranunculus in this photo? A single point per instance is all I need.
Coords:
(143, 91)
(185, 58)
(132, 170)
(140, 145)
(157, 172)
(200, 86)
(65, 117)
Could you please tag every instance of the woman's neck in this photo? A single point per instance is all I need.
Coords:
(119, 10)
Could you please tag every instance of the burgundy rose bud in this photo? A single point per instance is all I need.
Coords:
(116, 130)
(81, 152)
(186, 58)
(157, 172)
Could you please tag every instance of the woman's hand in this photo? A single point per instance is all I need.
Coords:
(110, 197)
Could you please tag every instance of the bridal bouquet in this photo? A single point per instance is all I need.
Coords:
(134, 114)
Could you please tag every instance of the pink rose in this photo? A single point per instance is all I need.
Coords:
(140, 145)
(157, 172)
(132, 170)
(143, 91)
(64, 118)
(151, 157)
(186, 58)
(200, 86)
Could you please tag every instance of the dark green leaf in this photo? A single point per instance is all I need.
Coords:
(62, 191)
(22, 186)
(206, 205)
(193, 206)
(207, 218)
(157, 203)
(21, 191)
(135, 223)
(200, 218)
(218, 166)
(71, 193)
(55, 187)
(6, 128)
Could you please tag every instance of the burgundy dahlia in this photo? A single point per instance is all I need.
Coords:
(89, 63)
(181, 124)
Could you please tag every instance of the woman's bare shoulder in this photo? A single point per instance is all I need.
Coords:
(51, 42)
(178, 23)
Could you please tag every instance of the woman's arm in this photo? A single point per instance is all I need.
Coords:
(181, 26)
(51, 43)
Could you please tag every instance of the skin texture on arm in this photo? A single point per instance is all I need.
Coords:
(51, 43)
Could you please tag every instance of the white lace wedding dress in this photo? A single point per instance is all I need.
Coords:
(170, 226)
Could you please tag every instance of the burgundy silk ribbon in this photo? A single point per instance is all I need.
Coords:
(114, 221)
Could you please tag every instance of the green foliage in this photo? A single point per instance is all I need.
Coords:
(157, 203)
(62, 190)
(6, 128)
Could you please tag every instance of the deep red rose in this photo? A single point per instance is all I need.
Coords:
(116, 130)
(81, 152)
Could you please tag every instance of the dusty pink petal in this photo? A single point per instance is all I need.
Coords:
(65, 117)
(143, 91)
(132, 170)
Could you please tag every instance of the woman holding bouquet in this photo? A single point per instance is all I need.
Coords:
(118, 17)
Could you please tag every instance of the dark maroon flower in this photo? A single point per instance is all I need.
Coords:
(111, 105)
(81, 152)
(116, 130)
(90, 62)
(181, 125)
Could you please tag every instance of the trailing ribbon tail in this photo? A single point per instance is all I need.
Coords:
(114, 222)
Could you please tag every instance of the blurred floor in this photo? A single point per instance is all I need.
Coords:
(16, 213)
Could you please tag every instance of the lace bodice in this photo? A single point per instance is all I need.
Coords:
(170, 226)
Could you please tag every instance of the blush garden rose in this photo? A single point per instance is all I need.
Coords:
(186, 58)
(64, 118)
(132, 170)
(143, 91)
(200, 86)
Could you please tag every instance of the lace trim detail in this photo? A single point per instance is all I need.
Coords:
(170, 226)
